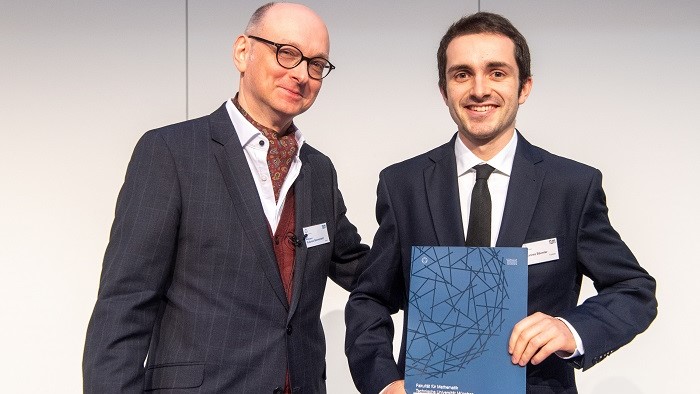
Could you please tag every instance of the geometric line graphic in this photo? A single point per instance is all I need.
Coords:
(460, 296)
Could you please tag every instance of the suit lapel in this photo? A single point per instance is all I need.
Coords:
(246, 202)
(443, 195)
(523, 193)
(302, 195)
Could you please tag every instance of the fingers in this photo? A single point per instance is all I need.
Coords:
(538, 336)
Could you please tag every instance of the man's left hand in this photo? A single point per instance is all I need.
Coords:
(537, 336)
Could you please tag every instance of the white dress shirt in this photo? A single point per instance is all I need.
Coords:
(255, 147)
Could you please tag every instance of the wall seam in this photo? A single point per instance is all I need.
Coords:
(187, 60)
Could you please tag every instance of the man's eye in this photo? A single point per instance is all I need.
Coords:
(288, 52)
(318, 64)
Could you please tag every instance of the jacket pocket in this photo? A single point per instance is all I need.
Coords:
(174, 376)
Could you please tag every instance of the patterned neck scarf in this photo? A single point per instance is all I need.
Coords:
(282, 150)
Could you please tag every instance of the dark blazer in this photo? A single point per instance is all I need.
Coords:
(190, 276)
(548, 196)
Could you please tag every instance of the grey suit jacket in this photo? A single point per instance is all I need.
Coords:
(190, 278)
(548, 197)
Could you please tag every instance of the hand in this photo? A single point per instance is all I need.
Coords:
(537, 336)
(396, 387)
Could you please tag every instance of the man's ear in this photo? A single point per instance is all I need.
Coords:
(241, 51)
(443, 93)
(525, 91)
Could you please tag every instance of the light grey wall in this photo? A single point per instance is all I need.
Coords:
(615, 86)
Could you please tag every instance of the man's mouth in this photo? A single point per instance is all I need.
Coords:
(292, 91)
(481, 108)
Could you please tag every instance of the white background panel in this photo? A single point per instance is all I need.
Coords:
(80, 81)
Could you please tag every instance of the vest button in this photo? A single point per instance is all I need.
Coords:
(289, 329)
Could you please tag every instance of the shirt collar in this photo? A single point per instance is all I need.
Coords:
(502, 162)
(248, 133)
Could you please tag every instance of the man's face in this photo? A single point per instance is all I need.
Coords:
(482, 89)
(270, 93)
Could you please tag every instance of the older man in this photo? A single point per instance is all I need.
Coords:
(226, 229)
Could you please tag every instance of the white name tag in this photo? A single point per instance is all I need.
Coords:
(316, 235)
(542, 251)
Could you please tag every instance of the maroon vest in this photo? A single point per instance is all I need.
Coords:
(283, 242)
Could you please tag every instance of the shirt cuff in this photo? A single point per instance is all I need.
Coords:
(387, 387)
(579, 344)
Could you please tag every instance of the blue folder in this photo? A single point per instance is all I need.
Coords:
(463, 304)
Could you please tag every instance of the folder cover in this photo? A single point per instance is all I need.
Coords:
(463, 304)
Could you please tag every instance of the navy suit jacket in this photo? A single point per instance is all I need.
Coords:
(190, 277)
(548, 197)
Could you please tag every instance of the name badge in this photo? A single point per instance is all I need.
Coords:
(316, 235)
(542, 251)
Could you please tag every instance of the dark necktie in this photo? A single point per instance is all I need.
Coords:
(479, 227)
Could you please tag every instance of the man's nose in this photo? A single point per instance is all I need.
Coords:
(300, 72)
(481, 87)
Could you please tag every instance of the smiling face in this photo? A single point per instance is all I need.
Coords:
(271, 94)
(482, 91)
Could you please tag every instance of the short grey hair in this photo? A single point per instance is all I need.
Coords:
(258, 16)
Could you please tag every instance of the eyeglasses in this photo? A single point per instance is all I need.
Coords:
(289, 56)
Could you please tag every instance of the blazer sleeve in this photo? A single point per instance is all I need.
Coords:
(348, 250)
(135, 273)
(625, 304)
(379, 294)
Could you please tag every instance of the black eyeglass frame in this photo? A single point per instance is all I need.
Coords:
(278, 46)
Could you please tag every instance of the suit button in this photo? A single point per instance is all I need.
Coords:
(278, 390)
(289, 329)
